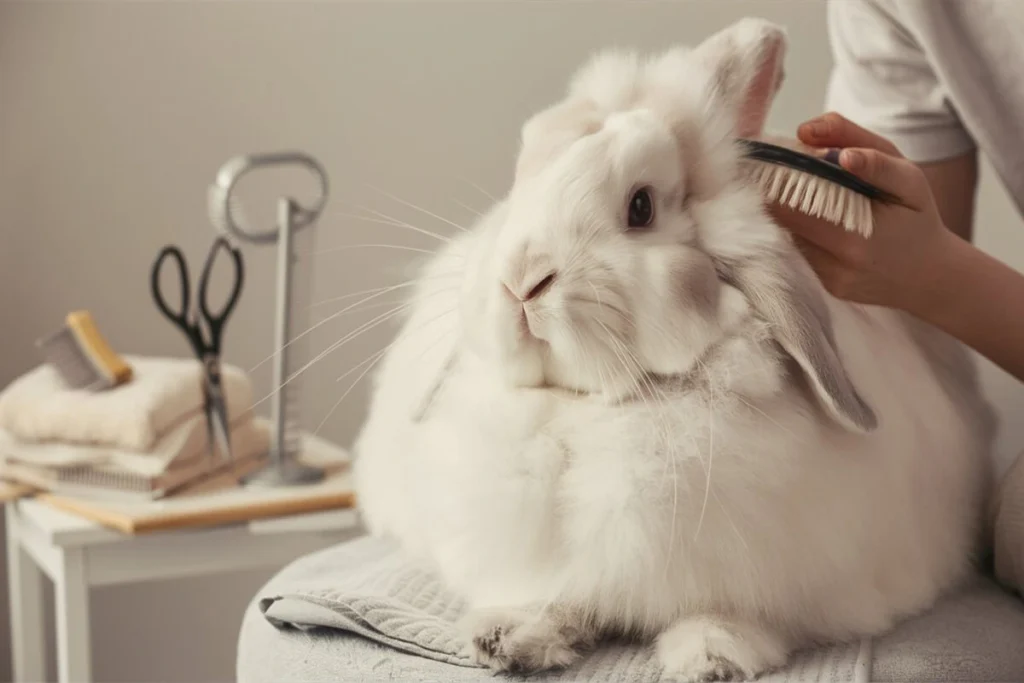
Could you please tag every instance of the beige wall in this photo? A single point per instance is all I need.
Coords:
(114, 117)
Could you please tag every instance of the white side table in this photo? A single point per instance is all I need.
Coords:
(78, 554)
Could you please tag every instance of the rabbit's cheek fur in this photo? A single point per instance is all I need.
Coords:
(682, 309)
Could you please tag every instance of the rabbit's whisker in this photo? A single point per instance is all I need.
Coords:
(378, 304)
(365, 327)
(665, 435)
(407, 283)
(346, 247)
(614, 309)
(378, 293)
(478, 188)
(373, 359)
(469, 208)
(379, 217)
(765, 415)
(419, 208)
(577, 352)
(711, 448)
(368, 219)
(374, 290)
(670, 444)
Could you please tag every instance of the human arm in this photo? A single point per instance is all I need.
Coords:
(980, 301)
(954, 184)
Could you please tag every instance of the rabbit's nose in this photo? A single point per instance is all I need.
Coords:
(531, 289)
(540, 287)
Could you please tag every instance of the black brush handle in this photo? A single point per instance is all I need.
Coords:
(826, 170)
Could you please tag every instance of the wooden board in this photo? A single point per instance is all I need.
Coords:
(222, 500)
(11, 491)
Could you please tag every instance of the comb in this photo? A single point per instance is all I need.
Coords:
(82, 357)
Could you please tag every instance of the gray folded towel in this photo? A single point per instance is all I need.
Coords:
(380, 594)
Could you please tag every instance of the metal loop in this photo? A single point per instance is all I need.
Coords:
(225, 209)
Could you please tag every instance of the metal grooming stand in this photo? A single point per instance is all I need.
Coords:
(293, 285)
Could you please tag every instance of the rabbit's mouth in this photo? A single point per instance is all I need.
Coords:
(556, 351)
(527, 321)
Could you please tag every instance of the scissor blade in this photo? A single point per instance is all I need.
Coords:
(216, 410)
(220, 431)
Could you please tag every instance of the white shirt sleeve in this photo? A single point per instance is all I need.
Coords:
(882, 80)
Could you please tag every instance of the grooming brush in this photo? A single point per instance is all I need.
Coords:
(789, 174)
(82, 357)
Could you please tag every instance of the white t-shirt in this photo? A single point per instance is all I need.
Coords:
(937, 77)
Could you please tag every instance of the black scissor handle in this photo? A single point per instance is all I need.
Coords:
(216, 321)
(180, 317)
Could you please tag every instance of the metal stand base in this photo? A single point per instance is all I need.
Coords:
(286, 473)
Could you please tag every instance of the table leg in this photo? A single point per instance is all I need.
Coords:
(25, 588)
(72, 597)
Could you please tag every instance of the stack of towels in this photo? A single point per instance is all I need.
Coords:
(143, 438)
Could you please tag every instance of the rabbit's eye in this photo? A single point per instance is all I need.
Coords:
(641, 208)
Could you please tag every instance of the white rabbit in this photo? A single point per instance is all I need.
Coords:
(623, 403)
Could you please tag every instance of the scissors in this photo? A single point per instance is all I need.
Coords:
(207, 347)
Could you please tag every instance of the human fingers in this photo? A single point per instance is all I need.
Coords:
(834, 130)
(893, 174)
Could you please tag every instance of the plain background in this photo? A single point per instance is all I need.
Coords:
(115, 116)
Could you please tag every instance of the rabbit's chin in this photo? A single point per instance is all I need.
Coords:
(537, 348)
(578, 348)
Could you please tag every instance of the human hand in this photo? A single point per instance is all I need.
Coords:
(909, 243)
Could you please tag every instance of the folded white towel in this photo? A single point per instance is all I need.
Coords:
(181, 458)
(181, 445)
(163, 393)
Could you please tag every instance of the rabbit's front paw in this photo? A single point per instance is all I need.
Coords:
(519, 641)
(701, 649)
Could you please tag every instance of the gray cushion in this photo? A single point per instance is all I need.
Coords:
(360, 611)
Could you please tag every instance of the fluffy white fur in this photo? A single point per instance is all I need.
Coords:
(684, 438)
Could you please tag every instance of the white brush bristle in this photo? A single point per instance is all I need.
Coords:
(812, 196)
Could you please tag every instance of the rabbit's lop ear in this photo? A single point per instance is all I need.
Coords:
(784, 292)
(746, 63)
